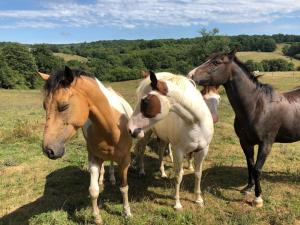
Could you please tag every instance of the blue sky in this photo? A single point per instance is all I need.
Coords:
(69, 21)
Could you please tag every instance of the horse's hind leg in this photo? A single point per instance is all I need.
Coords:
(161, 149)
(170, 152)
(178, 177)
(190, 161)
(263, 151)
(94, 166)
(249, 153)
(112, 178)
(199, 157)
(101, 176)
(124, 164)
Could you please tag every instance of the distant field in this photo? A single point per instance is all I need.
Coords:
(37, 191)
(68, 57)
(259, 56)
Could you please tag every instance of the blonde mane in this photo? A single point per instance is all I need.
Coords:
(181, 90)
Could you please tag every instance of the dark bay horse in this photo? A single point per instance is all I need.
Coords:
(262, 115)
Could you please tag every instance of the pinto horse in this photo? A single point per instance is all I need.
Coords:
(72, 101)
(262, 115)
(173, 107)
(211, 97)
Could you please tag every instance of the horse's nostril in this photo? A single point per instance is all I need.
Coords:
(136, 132)
(50, 153)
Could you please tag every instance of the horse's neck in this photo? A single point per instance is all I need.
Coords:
(101, 113)
(185, 107)
(241, 91)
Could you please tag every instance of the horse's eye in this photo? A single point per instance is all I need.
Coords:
(216, 62)
(63, 107)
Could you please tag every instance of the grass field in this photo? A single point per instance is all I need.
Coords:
(259, 56)
(38, 191)
(69, 57)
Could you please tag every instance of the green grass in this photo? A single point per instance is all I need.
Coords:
(259, 56)
(35, 190)
(69, 57)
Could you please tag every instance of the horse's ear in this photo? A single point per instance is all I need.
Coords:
(68, 76)
(44, 76)
(231, 54)
(145, 74)
(153, 80)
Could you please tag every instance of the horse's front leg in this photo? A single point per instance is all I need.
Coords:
(263, 151)
(94, 166)
(139, 151)
(249, 153)
(124, 164)
(199, 157)
(178, 177)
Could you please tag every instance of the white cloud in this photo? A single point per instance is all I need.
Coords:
(132, 13)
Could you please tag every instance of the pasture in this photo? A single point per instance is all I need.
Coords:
(35, 190)
(69, 57)
(259, 56)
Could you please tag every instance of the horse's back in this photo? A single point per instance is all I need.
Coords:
(293, 95)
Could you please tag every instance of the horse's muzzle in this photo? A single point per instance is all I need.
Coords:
(51, 154)
(136, 133)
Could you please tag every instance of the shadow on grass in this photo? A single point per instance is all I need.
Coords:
(67, 189)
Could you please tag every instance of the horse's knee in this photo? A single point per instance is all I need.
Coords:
(94, 192)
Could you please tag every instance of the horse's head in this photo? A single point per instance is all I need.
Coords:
(66, 111)
(212, 98)
(152, 106)
(215, 71)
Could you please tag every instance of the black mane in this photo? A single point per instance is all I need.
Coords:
(266, 88)
(56, 79)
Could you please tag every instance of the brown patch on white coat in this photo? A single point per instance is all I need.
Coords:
(151, 107)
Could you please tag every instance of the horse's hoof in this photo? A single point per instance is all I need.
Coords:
(258, 202)
(98, 221)
(164, 175)
(191, 169)
(178, 206)
(127, 213)
(200, 202)
(247, 190)
(113, 182)
(142, 174)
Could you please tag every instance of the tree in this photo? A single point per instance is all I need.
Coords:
(45, 60)
(9, 78)
(19, 58)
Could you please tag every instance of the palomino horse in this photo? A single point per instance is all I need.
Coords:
(175, 109)
(212, 98)
(262, 115)
(74, 100)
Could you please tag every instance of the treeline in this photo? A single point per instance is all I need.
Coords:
(270, 65)
(292, 50)
(123, 60)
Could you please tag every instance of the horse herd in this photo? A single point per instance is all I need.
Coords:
(171, 107)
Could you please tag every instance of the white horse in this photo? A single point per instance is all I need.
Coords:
(212, 98)
(176, 111)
